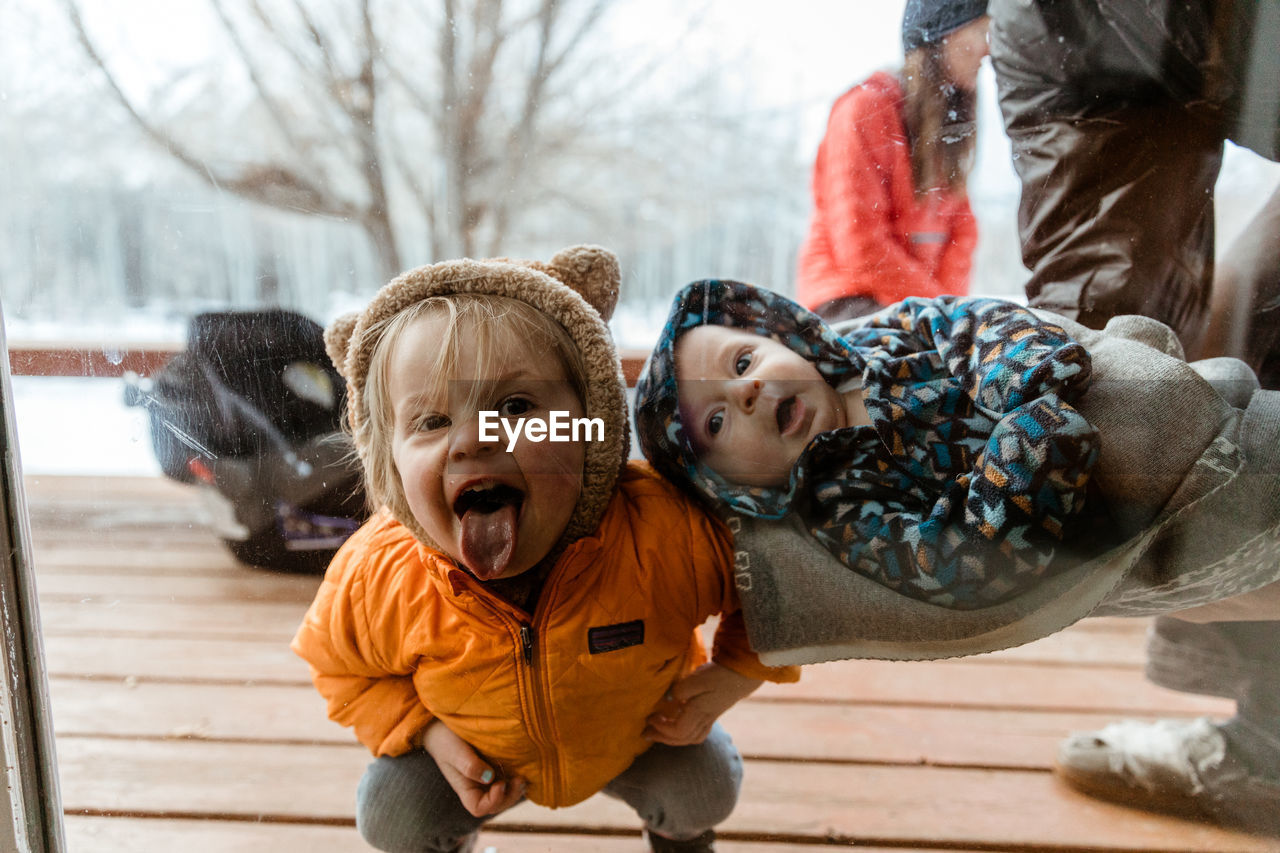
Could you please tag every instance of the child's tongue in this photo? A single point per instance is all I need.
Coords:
(489, 540)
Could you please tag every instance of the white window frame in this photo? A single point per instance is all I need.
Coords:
(30, 801)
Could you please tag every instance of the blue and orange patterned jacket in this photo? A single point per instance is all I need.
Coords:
(972, 483)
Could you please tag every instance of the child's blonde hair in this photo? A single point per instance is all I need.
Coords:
(483, 318)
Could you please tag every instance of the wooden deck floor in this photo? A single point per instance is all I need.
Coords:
(183, 721)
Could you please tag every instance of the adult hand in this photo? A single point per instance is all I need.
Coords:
(695, 702)
(477, 784)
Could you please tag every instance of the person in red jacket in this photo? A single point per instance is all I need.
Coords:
(891, 215)
(520, 620)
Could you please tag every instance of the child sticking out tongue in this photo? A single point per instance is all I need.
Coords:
(489, 514)
(489, 538)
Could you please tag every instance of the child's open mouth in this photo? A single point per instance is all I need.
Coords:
(788, 415)
(489, 514)
(486, 499)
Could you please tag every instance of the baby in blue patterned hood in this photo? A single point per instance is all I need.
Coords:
(933, 448)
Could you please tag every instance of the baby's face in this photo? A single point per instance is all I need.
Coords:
(749, 404)
(495, 511)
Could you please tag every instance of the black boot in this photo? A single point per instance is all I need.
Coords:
(704, 843)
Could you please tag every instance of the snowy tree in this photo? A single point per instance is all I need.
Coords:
(441, 129)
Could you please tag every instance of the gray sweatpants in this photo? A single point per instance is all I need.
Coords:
(405, 805)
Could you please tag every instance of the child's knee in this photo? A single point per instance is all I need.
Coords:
(379, 820)
(722, 780)
(405, 804)
(702, 786)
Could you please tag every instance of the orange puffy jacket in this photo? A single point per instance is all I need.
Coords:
(398, 634)
(870, 234)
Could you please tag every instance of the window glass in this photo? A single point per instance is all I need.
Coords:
(190, 191)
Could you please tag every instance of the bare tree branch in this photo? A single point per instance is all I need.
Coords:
(448, 128)
(274, 110)
(517, 148)
(317, 37)
(328, 77)
(657, 59)
(363, 111)
(276, 184)
(449, 133)
(422, 197)
(182, 154)
(589, 23)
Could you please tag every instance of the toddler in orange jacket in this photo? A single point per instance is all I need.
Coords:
(520, 620)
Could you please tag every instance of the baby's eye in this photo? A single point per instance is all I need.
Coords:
(432, 422)
(514, 407)
(715, 423)
(742, 363)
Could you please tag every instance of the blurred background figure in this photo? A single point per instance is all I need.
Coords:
(1244, 316)
(891, 215)
(1117, 112)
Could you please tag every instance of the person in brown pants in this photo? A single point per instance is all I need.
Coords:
(1117, 112)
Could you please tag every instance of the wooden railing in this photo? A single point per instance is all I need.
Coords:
(78, 359)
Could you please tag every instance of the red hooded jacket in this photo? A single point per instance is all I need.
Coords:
(870, 234)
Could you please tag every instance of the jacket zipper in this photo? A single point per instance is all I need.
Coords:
(526, 643)
(537, 701)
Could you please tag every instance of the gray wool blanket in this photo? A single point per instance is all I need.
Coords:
(1190, 470)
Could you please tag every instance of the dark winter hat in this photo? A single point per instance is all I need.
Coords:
(927, 21)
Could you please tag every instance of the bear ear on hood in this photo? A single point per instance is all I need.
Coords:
(593, 272)
(337, 339)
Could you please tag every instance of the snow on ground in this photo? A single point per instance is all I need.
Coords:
(75, 425)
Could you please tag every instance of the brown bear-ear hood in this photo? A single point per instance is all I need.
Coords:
(578, 288)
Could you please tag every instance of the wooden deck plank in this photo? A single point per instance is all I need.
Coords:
(180, 710)
(192, 588)
(987, 681)
(969, 682)
(163, 559)
(886, 805)
(944, 684)
(782, 731)
(52, 489)
(230, 659)
(107, 615)
(221, 659)
(161, 585)
(130, 835)
(118, 834)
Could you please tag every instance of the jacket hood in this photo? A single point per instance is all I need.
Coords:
(709, 302)
(578, 288)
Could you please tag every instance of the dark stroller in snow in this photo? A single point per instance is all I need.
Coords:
(250, 414)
